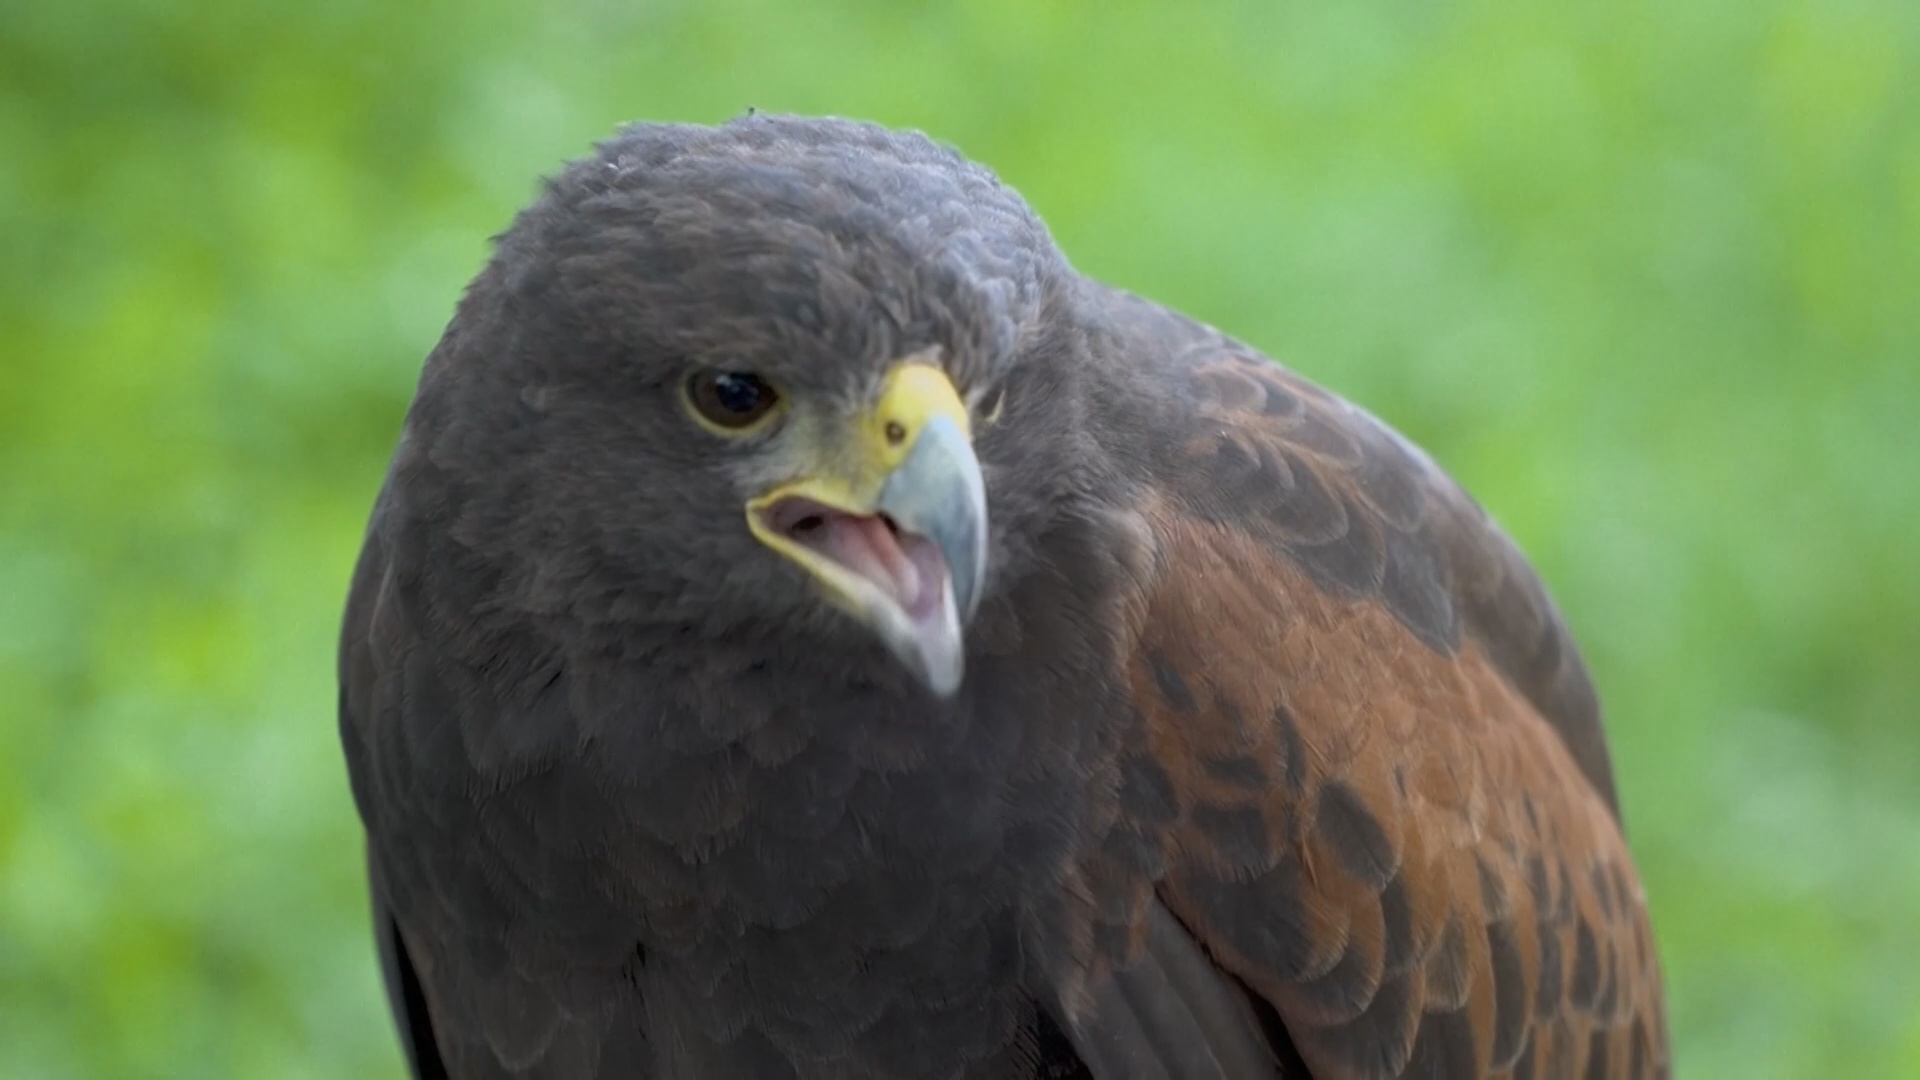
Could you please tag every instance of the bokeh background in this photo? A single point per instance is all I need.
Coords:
(1645, 275)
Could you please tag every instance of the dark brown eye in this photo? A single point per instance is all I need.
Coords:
(734, 400)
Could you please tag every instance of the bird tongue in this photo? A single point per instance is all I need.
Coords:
(906, 567)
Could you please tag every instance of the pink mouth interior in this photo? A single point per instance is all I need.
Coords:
(906, 567)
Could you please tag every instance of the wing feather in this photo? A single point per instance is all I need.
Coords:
(1393, 817)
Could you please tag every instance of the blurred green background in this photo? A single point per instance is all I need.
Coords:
(1645, 276)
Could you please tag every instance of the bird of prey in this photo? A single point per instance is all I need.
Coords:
(809, 630)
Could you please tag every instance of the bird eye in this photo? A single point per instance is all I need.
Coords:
(731, 400)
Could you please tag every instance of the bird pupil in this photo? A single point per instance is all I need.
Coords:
(737, 393)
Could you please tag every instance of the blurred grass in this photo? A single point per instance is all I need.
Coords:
(1645, 276)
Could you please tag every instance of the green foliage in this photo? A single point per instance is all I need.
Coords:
(1646, 276)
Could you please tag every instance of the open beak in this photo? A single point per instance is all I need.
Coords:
(893, 523)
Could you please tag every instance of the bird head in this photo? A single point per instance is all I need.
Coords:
(753, 380)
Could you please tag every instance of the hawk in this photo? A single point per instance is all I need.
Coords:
(809, 630)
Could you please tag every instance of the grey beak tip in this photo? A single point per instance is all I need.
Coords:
(945, 686)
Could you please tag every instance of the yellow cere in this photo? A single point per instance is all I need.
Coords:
(914, 394)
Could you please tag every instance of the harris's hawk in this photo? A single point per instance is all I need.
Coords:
(808, 630)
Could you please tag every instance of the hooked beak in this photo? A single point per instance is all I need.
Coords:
(893, 526)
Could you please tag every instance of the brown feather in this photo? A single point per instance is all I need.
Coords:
(1395, 815)
(1416, 766)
